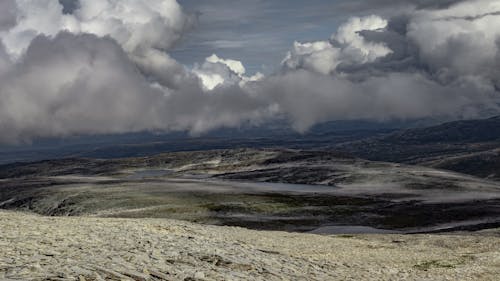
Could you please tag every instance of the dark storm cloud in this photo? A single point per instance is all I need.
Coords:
(307, 99)
(93, 89)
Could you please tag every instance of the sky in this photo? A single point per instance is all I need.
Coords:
(87, 67)
(259, 32)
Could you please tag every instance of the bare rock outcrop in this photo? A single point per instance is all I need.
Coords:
(80, 248)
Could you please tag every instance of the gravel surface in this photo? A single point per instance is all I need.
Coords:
(81, 248)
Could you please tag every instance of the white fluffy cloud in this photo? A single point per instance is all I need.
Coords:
(460, 42)
(97, 76)
(144, 29)
(318, 56)
(135, 25)
(35, 17)
(435, 62)
(346, 46)
(234, 65)
(104, 69)
(216, 71)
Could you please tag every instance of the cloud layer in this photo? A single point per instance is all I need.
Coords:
(104, 67)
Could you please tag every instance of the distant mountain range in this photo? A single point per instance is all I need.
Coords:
(274, 134)
(467, 131)
(469, 146)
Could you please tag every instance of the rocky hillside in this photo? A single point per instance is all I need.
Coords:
(466, 131)
(48, 248)
(469, 146)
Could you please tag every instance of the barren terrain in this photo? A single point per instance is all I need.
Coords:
(176, 216)
(83, 248)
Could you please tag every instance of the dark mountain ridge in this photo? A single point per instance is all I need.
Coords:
(467, 146)
(464, 131)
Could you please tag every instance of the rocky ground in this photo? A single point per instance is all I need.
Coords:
(81, 248)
